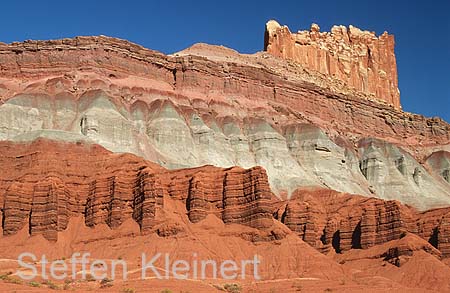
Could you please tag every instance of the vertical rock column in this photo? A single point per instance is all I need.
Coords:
(147, 197)
(246, 197)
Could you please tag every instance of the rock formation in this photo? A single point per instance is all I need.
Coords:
(358, 58)
(103, 141)
(329, 220)
(50, 184)
(197, 107)
(107, 189)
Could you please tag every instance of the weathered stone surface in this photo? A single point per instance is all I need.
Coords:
(221, 131)
(210, 105)
(326, 219)
(176, 136)
(213, 80)
(329, 220)
(439, 163)
(394, 174)
(433, 226)
(330, 163)
(109, 189)
(358, 58)
(51, 182)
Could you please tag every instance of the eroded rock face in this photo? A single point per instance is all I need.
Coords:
(439, 163)
(177, 136)
(330, 164)
(53, 182)
(330, 220)
(326, 220)
(394, 174)
(210, 105)
(211, 79)
(358, 58)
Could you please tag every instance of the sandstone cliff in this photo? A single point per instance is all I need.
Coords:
(329, 220)
(50, 183)
(358, 58)
(210, 105)
(107, 144)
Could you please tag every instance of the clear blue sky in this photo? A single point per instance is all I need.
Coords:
(421, 28)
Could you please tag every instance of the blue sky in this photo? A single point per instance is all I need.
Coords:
(421, 28)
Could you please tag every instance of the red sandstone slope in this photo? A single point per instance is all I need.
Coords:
(86, 198)
(45, 188)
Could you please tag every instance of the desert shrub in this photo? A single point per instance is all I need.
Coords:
(232, 288)
(34, 284)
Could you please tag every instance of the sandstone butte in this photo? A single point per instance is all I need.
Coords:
(300, 153)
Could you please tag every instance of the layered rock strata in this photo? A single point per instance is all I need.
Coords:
(52, 182)
(328, 220)
(359, 58)
(212, 105)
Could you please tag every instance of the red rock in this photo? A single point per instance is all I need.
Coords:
(207, 76)
(358, 58)
(109, 189)
(89, 198)
(326, 219)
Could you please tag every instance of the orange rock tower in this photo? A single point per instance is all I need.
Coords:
(359, 59)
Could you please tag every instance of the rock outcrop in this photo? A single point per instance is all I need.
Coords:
(329, 220)
(359, 58)
(104, 143)
(439, 163)
(393, 173)
(210, 105)
(326, 219)
(51, 182)
(59, 181)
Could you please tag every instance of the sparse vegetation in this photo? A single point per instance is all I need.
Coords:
(166, 291)
(232, 288)
(15, 281)
(34, 284)
(218, 287)
(4, 276)
(51, 285)
(9, 279)
(128, 290)
(297, 286)
(106, 283)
